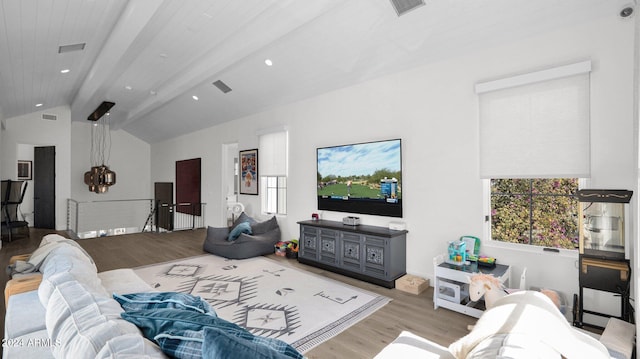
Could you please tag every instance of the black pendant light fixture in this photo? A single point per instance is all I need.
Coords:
(100, 177)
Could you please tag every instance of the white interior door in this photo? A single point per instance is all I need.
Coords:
(229, 176)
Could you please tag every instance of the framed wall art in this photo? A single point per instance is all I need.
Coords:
(25, 170)
(249, 172)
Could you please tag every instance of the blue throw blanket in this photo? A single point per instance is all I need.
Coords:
(185, 329)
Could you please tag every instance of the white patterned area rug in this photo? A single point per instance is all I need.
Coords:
(266, 298)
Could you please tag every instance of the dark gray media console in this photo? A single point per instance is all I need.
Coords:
(369, 253)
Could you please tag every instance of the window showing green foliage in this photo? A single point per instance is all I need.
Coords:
(539, 211)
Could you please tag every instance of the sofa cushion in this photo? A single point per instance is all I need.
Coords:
(56, 259)
(264, 227)
(160, 300)
(243, 227)
(123, 281)
(82, 322)
(69, 259)
(246, 246)
(243, 217)
(60, 245)
(49, 245)
(74, 273)
(18, 321)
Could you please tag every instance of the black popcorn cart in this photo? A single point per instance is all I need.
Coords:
(603, 257)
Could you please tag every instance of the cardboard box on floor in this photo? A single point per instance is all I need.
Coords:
(412, 284)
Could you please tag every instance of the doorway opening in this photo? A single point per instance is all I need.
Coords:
(230, 178)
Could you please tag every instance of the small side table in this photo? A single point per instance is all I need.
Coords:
(450, 289)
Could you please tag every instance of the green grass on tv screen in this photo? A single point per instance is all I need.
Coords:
(357, 191)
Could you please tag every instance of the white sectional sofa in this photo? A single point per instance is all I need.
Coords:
(71, 314)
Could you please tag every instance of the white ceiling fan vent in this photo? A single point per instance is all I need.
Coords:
(49, 117)
(222, 86)
(404, 6)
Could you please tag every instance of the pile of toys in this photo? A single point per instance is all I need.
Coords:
(287, 248)
(467, 250)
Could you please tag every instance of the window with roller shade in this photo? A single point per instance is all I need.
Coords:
(534, 149)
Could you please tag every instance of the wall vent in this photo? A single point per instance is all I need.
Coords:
(69, 48)
(222, 86)
(49, 117)
(404, 6)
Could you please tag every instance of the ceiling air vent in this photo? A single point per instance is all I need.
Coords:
(69, 48)
(404, 6)
(46, 116)
(222, 86)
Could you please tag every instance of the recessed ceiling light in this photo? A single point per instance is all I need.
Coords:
(268, 62)
(195, 97)
(38, 105)
(128, 87)
(64, 71)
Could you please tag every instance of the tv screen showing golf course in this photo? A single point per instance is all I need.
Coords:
(361, 178)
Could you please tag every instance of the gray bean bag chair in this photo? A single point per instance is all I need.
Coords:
(246, 238)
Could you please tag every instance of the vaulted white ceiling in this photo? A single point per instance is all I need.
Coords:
(151, 56)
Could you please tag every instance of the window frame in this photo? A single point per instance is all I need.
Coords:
(519, 247)
(279, 191)
(274, 145)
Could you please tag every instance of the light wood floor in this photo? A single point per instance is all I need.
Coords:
(410, 312)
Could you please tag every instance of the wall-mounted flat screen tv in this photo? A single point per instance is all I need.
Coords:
(361, 178)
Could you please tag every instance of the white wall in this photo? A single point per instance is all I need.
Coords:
(435, 111)
(31, 130)
(129, 159)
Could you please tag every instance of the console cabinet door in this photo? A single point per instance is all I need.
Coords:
(329, 246)
(375, 259)
(309, 243)
(351, 247)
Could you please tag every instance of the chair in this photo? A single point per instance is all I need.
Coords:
(12, 196)
(261, 241)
